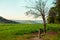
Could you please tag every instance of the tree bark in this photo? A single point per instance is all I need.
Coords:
(44, 22)
(44, 26)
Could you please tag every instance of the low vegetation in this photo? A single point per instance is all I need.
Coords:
(11, 31)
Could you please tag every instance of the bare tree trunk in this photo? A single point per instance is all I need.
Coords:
(44, 26)
(44, 21)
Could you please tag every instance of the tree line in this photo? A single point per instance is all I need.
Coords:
(54, 13)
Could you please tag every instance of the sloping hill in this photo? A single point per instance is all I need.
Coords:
(3, 20)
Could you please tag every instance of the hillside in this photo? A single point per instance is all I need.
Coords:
(3, 20)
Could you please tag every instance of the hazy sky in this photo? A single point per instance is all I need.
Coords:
(14, 9)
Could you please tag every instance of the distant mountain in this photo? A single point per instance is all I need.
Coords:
(29, 21)
(3, 20)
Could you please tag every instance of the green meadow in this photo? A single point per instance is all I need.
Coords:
(12, 31)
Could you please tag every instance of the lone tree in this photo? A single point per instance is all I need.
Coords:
(39, 9)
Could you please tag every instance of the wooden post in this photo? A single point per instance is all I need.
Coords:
(39, 33)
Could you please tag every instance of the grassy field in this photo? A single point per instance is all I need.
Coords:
(11, 31)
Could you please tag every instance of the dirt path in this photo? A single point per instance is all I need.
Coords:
(35, 38)
(48, 33)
